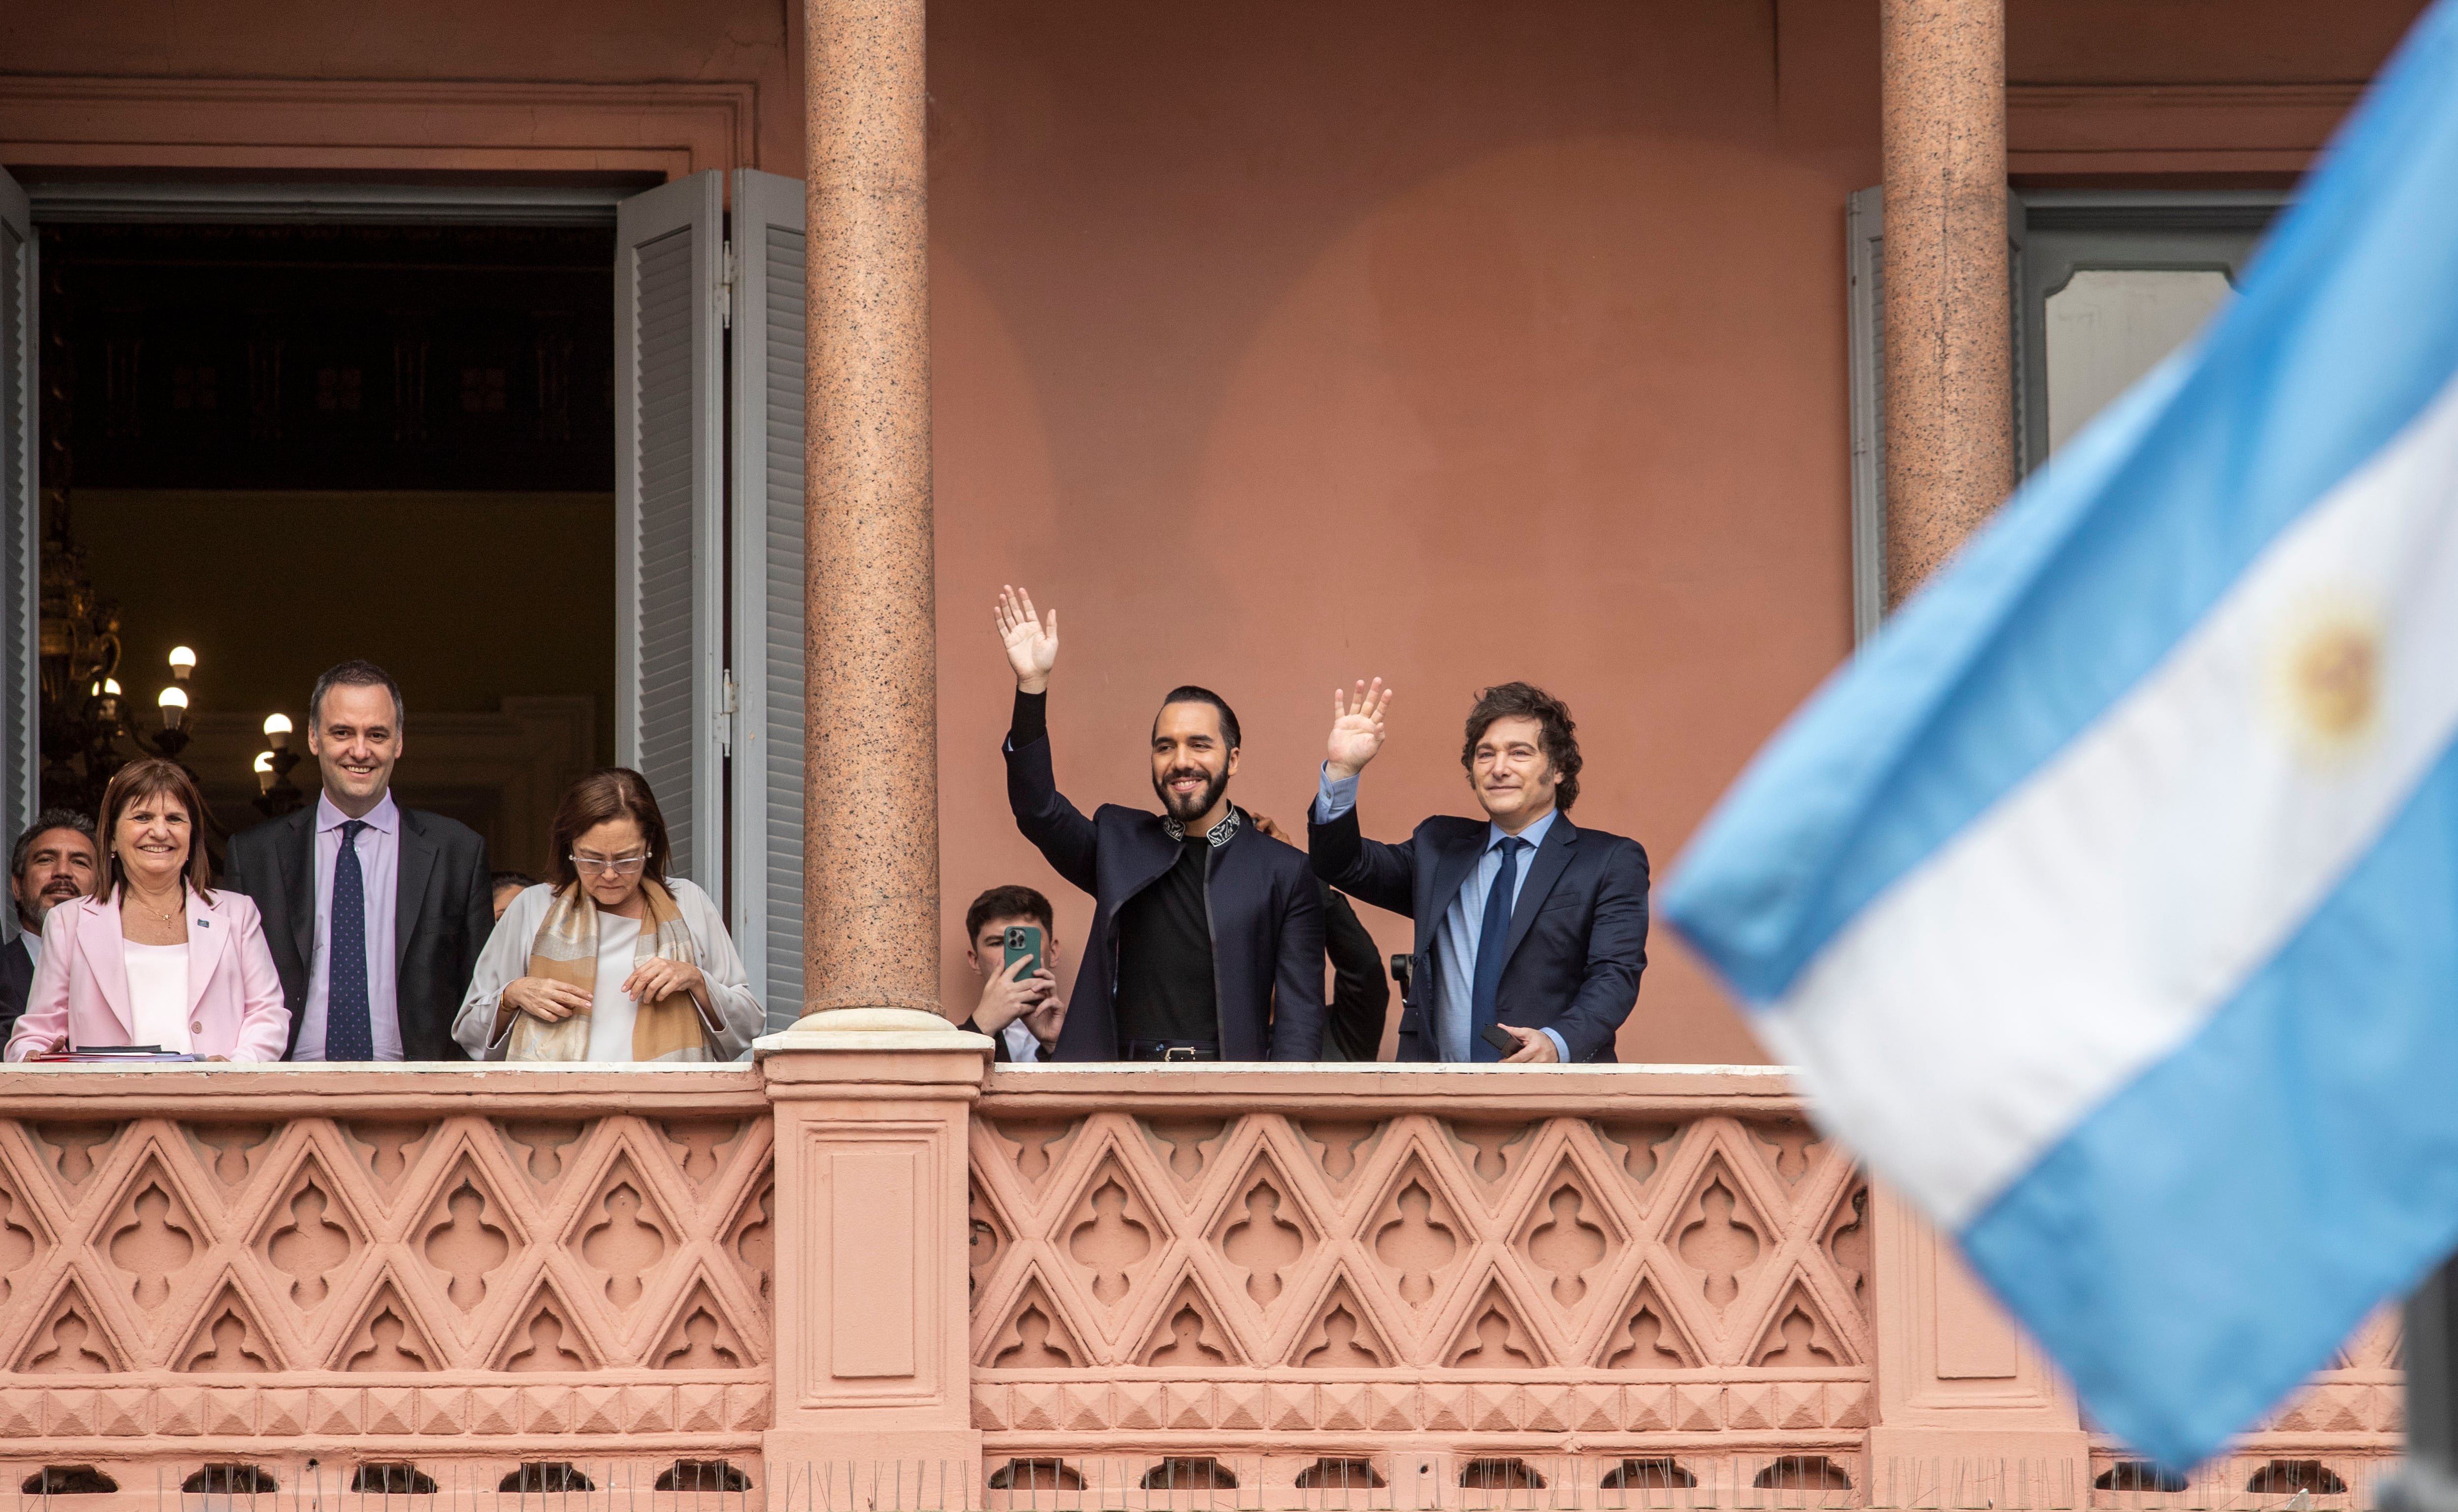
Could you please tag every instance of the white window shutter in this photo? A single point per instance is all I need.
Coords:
(767, 508)
(669, 469)
(21, 510)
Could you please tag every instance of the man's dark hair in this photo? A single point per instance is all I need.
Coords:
(1007, 903)
(1557, 734)
(355, 674)
(44, 822)
(1191, 694)
(497, 882)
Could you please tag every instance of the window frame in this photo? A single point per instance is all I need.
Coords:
(2051, 235)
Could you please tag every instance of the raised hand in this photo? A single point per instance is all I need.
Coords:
(1356, 728)
(1031, 647)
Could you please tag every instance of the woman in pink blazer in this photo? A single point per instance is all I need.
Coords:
(155, 956)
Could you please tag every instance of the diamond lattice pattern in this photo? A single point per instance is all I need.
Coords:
(614, 1272)
(1561, 1246)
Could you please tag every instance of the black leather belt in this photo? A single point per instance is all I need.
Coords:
(1169, 1050)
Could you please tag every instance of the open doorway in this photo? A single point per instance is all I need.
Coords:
(285, 445)
(284, 424)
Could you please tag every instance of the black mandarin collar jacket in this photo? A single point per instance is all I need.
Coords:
(1267, 919)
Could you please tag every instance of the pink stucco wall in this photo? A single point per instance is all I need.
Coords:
(1295, 344)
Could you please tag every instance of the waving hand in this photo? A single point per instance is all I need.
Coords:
(1032, 646)
(1356, 728)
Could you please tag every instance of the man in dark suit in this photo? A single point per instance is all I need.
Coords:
(52, 861)
(1207, 933)
(1567, 907)
(375, 913)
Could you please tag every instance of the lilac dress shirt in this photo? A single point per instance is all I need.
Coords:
(380, 865)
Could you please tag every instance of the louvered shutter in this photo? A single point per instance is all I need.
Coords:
(20, 518)
(670, 459)
(766, 508)
(1865, 319)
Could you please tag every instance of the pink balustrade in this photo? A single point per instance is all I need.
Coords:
(868, 1274)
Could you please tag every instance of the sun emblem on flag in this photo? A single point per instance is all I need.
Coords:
(2330, 673)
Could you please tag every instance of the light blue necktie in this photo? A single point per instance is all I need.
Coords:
(1492, 943)
(348, 1033)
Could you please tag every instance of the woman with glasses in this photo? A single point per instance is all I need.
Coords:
(613, 959)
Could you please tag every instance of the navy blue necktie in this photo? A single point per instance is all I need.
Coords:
(348, 1033)
(1492, 943)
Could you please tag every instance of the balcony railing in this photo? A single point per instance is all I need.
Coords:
(869, 1273)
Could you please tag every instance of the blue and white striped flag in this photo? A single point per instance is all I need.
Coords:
(2109, 902)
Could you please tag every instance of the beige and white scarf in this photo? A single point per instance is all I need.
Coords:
(667, 1028)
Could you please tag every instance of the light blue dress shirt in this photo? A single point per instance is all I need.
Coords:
(1456, 942)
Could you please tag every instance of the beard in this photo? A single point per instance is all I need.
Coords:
(1193, 806)
(41, 906)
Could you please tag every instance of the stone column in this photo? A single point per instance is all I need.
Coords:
(1950, 383)
(870, 867)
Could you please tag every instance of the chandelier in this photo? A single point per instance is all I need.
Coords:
(83, 707)
(80, 659)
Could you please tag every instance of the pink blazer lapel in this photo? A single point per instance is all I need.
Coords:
(207, 927)
(98, 940)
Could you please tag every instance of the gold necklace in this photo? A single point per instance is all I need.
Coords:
(168, 914)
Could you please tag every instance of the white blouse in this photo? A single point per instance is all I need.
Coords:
(610, 1011)
(506, 960)
(158, 994)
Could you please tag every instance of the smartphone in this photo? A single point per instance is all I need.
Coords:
(1500, 1038)
(1024, 943)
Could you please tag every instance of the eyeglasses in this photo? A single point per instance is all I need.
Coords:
(619, 865)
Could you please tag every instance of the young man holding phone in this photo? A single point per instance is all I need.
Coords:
(1011, 942)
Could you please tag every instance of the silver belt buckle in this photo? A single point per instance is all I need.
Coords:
(1178, 1053)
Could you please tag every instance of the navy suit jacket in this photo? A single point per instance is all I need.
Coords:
(1579, 934)
(1267, 920)
(444, 911)
(17, 980)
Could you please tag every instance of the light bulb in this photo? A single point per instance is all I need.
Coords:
(173, 703)
(277, 728)
(264, 770)
(183, 661)
(110, 687)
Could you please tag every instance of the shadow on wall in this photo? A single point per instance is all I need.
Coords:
(1512, 422)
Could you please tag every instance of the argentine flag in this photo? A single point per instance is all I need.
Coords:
(2108, 902)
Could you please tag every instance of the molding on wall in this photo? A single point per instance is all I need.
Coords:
(114, 200)
(376, 126)
(2138, 129)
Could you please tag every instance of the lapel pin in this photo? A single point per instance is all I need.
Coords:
(202, 923)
